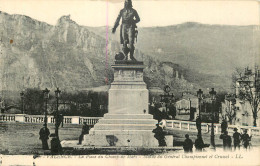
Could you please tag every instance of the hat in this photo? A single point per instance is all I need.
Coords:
(53, 135)
(235, 129)
(44, 124)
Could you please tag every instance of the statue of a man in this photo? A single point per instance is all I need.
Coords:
(128, 30)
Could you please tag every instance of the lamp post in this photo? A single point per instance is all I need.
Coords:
(166, 97)
(199, 94)
(57, 119)
(46, 97)
(22, 100)
(212, 136)
(198, 119)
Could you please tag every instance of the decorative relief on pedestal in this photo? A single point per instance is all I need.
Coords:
(128, 75)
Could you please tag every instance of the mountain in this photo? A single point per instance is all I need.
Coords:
(209, 49)
(209, 53)
(35, 54)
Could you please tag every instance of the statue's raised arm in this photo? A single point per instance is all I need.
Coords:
(128, 29)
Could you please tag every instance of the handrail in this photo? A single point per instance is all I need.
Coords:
(24, 118)
(206, 127)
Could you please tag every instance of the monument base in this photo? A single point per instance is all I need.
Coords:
(131, 130)
(128, 122)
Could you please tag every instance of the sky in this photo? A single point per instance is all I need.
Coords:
(151, 12)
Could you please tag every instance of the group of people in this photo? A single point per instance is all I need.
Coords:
(237, 139)
(188, 144)
(56, 147)
(227, 140)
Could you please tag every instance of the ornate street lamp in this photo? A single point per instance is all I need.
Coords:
(22, 100)
(57, 119)
(46, 97)
(212, 136)
(199, 94)
(166, 97)
(198, 119)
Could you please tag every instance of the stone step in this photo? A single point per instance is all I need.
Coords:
(125, 132)
(123, 140)
(99, 126)
(128, 121)
(128, 116)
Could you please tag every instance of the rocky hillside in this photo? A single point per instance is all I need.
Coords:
(35, 54)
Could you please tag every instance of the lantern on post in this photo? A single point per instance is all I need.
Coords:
(22, 100)
(212, 136)
(46, 97)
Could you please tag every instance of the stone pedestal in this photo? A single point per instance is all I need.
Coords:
(127, 122)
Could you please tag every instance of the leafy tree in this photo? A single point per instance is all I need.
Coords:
(230, 110)
(248, 87)
(33, 101)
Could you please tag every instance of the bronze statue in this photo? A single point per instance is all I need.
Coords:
(128, 29)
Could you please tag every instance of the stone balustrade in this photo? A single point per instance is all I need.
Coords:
(7, 117)
(89, 120)
(24, 118)
(206, 127)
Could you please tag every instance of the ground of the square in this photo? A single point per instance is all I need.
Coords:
(23, 139)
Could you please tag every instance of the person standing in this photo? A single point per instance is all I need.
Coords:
(55, 145)
(198, 125)
(188, 144)
(85, 130)
(245, 139)
(199, 144)
(227, 141)
(44, 136)
(159, 135)
(62, 119)
(236, 138)
(224, 126)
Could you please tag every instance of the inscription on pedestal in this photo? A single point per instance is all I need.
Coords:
(128, 75)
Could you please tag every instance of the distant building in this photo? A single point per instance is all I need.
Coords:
(187, 107)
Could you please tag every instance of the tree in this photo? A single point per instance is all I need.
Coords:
(33, 101)
(247, 87)
(230, 110)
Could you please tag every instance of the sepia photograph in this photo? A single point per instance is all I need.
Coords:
(129, 82)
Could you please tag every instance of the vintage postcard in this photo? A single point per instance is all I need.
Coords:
(124, 82)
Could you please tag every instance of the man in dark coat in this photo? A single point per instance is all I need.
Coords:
(85, 130)
(237, 138)
(227, 141)
(159, 135)
(199, 144)
(61, 119)
(56, 148)
(224, 126)
(188, 145)
(245, 139)
(44, 136)
(128, 30)
(198, 125)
